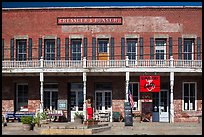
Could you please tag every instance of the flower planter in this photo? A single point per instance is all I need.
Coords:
(28, 127)
(78, 120)
(90, 123)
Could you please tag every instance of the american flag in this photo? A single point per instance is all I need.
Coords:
(131, 98)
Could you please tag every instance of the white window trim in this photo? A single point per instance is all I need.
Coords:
(78, 38)
(161, 48)
(193, 44)
(76, 91)
(139, 102)
(103, 95)
(195, 95)
(17, 94)
(135, 47)
(108, 45)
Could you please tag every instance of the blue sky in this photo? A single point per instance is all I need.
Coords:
(80, 4)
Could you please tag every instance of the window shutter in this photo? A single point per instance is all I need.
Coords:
(151, 48)
(40, 48)
(179, 48)
(170, 46)
(198, 48)
(85, 47)
(112, 48)
(12, 49)
(58, 48)
(141, 47)
(94, 48)
(122, 48)
(66, 48)
(2, 49)
(30, 49)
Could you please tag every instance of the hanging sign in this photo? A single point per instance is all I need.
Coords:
(149, 83)
(89, 21)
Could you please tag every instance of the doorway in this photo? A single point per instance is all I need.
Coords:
(160, 108)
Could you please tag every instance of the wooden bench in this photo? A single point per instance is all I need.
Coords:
(17, 115)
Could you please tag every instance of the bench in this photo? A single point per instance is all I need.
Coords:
(17, 115)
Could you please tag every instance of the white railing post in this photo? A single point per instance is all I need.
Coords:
(84, 62)
(171, 61)
(126, 61)
(41, 62)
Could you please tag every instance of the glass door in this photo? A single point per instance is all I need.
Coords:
(50, 99)
(77, 99)
(163, 106)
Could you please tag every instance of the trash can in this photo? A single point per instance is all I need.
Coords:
(128, 114)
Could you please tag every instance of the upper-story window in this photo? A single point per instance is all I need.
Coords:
(76, 49)
(21, 49)
(160, 49)
(132, 49)
(188, 49)
(49, 49)
(103, 46)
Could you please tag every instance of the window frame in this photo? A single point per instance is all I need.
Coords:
(17, 97)
(78, 54)
(138, 101)
(76, 92)
(183, 108)
(23, 54)
(107, 45)
(136, 46)
(192, 48)
(160, 48)
(51, 53)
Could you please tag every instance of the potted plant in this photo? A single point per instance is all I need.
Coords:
(78, 117)
(137, 116)
(36, 120)
(91, 122)
(27, 122)
(43, 118)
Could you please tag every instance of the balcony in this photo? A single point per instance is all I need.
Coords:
(123, 65)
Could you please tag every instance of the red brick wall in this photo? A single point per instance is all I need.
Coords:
(142, 21)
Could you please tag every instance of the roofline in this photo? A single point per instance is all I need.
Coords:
(102, 7)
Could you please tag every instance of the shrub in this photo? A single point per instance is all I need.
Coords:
(79, 115)
(27, 119)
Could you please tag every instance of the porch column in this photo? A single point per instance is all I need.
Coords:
(84, 90)
(41, 85)
(171, 94)
(127, 84)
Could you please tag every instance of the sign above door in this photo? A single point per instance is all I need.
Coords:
(149, 83)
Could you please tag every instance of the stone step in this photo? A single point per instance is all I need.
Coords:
(100, 129)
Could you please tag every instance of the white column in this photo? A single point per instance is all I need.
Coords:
(84, 91)
(127, 84)
(41, 91)
(171, 92)
(41, 84)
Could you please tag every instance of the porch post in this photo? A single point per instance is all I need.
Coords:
(171, 94)
(84, 106)
(41, 85)
(127, 84)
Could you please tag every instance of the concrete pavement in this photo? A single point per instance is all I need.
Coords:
(118, 128)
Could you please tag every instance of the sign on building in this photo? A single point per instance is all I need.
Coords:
(149, 83)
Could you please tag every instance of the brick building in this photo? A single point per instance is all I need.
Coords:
(56, 58)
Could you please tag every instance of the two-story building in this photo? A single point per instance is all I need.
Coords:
(56, 58)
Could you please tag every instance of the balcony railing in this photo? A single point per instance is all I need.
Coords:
(102, 63)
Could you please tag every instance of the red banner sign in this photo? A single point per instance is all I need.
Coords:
(89, 20)
(149, 83)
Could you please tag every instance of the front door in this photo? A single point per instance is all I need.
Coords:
(50, 99)
(77, 99)
(163, 106)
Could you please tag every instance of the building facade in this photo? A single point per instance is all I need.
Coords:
(57, 58)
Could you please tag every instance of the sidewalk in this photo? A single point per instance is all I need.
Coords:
(118, 128)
